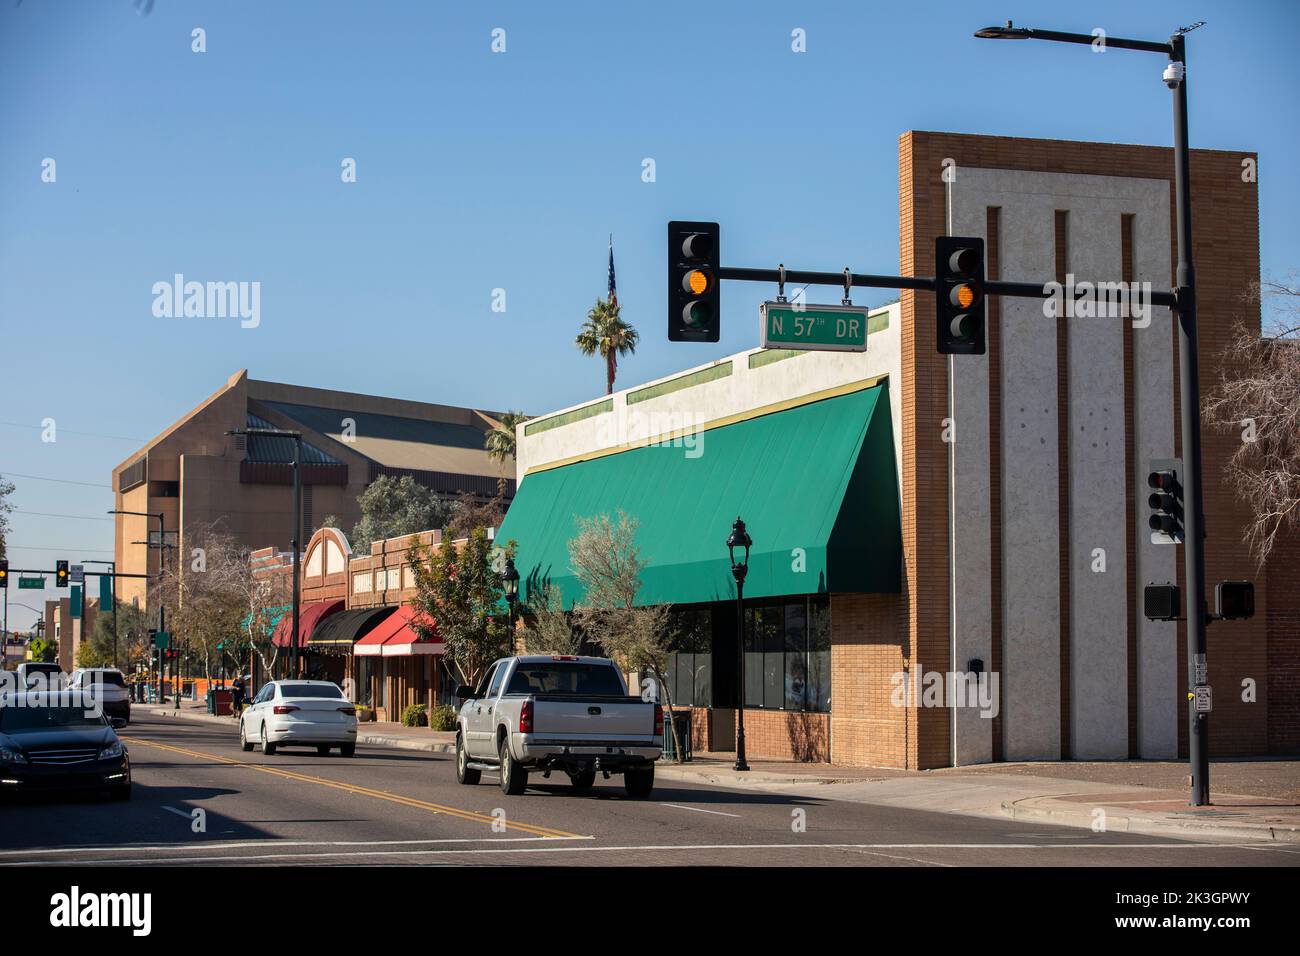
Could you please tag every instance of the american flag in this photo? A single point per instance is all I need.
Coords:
(613, 291)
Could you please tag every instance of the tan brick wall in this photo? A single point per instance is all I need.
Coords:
(869, 641)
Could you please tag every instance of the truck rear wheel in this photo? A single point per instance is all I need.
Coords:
(639, 783)
(514, 778)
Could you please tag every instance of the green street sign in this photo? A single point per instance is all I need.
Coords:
(819, 328)
(161, 640)
(31, 584)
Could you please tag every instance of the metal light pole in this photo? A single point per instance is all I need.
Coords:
(297, 523)
(739, 538)
(510, 583)
(1175, 77)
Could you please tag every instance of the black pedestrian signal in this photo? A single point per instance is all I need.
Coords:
(1166, 504)
(1234, 600)
(959, 295)
(60, 574)
(694, 305)
(1161, 602)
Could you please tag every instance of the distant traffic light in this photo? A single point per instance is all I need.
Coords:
(60, 574)
(1234, 600)
(694, 304)
(4, 572)
(959, 295)
(1166, 504)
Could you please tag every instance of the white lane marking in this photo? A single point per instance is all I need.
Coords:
(678, 806)
(665, 847)
(179, 813)
(256, 844)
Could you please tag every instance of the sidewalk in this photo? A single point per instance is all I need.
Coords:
(1123, 796)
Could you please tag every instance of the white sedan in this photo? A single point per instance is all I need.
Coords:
(310, 713)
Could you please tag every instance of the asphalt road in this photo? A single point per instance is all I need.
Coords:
(405, 808)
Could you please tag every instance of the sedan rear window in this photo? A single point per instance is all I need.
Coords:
(558, 677)
(310, 690)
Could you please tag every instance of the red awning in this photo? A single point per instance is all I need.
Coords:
(395, 636)
(309, 615)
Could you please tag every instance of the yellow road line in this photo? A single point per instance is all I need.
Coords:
(365, 791)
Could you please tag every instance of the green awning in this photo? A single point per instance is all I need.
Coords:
(816, 485)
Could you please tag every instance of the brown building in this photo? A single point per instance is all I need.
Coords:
(196, 474)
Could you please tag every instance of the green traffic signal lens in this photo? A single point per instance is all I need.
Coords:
(963, 327)
(697, 314)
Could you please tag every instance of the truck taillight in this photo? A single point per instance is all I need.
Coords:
(659, 720)
(526, 718)
(284, 708)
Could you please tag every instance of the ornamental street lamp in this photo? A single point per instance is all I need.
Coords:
(510, 583)
(1174, 77)
(739, 538)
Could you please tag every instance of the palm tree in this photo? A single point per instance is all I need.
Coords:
(606, 333)
(500, 443)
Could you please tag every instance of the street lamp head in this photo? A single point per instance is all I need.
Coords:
(1008, 32)
(510, 580)
(739, 538)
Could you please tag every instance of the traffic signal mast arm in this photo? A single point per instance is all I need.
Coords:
(1022, 290)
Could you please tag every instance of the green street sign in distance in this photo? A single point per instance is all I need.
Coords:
(819, 328)
(161, 639)
(31, 584)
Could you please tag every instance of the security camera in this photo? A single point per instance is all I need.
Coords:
(1173, 75)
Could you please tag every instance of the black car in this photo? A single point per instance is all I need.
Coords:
(59, 742)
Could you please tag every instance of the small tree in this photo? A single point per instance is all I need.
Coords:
(132, 638)
(461, 600)
(500, 444)
(204, 590)
(392, 507)
(1259, 398)
(470, 512)
(6, 489)
(548, 629)
(607, 562)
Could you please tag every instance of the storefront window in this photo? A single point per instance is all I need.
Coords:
(690, 668)
(788, 655)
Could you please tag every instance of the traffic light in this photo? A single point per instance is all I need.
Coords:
(1166, 504)
(959, 295)
(60, 574)
(4, 572)
(694, 306)
(1234, 600)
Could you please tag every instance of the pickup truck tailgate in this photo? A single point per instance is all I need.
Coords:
(594, 719)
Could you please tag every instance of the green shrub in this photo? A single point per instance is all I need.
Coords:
(443, 718)
(415, 716)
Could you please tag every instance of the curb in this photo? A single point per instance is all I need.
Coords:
(1026, 810)
(373, 740)
(666, 771)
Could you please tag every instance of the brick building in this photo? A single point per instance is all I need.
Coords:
(913, 518)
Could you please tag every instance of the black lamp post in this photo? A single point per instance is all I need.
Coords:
(1175, 77)
(739, 538)
(510, 582)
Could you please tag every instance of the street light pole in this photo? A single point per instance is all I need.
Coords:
(162, 557)
(739, 538)
(1189, 369)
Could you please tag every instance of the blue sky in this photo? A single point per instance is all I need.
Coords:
(479, 170)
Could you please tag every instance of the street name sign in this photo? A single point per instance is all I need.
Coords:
(77, 573)
(817, 328)
(31, 584)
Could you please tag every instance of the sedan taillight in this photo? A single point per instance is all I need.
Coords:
(526, 718)
(284, 709)
(659, 720)
(350, 711)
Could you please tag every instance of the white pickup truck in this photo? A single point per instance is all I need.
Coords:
(553, 712)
